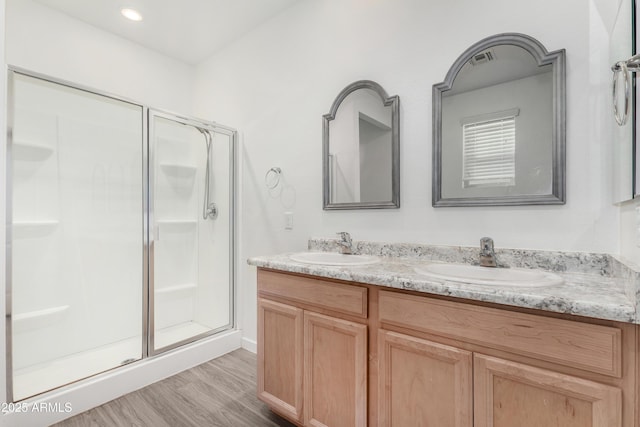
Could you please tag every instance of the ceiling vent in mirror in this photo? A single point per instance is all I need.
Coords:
(482, 57)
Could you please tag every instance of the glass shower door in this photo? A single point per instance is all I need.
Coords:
(120, 233)
(191, 230)
(75, 245)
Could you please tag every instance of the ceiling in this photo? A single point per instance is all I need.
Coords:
(187, 30)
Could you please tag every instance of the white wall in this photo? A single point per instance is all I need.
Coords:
(277, 82)
(46, 41)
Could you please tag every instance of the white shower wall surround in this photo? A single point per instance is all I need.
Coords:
(78, 247)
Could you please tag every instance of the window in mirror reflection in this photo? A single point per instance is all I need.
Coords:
(489, 150)
(499, 125)
(484, 91)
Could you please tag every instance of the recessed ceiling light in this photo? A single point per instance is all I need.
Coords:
(132, 14)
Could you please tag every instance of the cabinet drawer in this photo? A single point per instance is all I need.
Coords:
(337, 297)
(585, 346)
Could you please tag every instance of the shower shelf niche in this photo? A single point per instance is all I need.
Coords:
(178, 225)
(31, 151)
(177, 222)
(38, 318)
(178, 170)
(176, 288)
(36, 223)
(33, 228)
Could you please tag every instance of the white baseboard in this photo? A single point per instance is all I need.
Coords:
(95, 391)
(250, 345)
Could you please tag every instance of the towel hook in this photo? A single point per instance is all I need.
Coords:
(272, 177)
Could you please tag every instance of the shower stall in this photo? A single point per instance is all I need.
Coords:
(120, 232)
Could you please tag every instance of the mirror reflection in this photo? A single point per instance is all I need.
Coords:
(621, 48)
(499, 137)
(361, 149)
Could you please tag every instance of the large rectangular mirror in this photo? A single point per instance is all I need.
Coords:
(499, 134)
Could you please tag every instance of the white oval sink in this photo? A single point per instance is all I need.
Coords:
(333, 258)
(490, 276)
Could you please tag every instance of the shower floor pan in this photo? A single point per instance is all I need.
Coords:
(43, 377)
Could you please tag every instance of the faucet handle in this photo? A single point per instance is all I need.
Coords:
(344, 236)
(345, 242)
(487, 254)
(486, 244)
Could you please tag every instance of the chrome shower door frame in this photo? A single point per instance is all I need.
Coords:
(211, 127)
(11, 72)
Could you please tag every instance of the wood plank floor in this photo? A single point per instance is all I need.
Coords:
(221, 392)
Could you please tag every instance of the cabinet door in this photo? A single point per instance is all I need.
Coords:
(423, 383)
(280, 357)
(508, 394)
(335, 388)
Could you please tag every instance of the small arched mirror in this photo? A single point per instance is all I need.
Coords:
(361, 149)
(499, 126)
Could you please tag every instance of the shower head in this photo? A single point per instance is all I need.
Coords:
(202, 131)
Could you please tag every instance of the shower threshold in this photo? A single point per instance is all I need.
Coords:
(35, 379)
(173, 334)
(42, 377)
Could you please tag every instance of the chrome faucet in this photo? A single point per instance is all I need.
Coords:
(345, 243)
(487, 254)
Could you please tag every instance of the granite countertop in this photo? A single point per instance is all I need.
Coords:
(595, 285)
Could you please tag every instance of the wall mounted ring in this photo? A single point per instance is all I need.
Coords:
(272, 177)
(621, 67)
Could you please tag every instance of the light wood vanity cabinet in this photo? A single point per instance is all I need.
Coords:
(514, 394)
(335, 373)
(423, 382)
(437, 362)
(280, 357)
(528, 370)
(312, 350)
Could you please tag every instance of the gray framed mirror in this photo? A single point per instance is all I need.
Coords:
(361, 149)
(499, 126)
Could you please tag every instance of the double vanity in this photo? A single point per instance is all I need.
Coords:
(413, 335)
(403, 335)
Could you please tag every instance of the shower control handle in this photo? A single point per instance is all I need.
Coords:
(212, 211)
